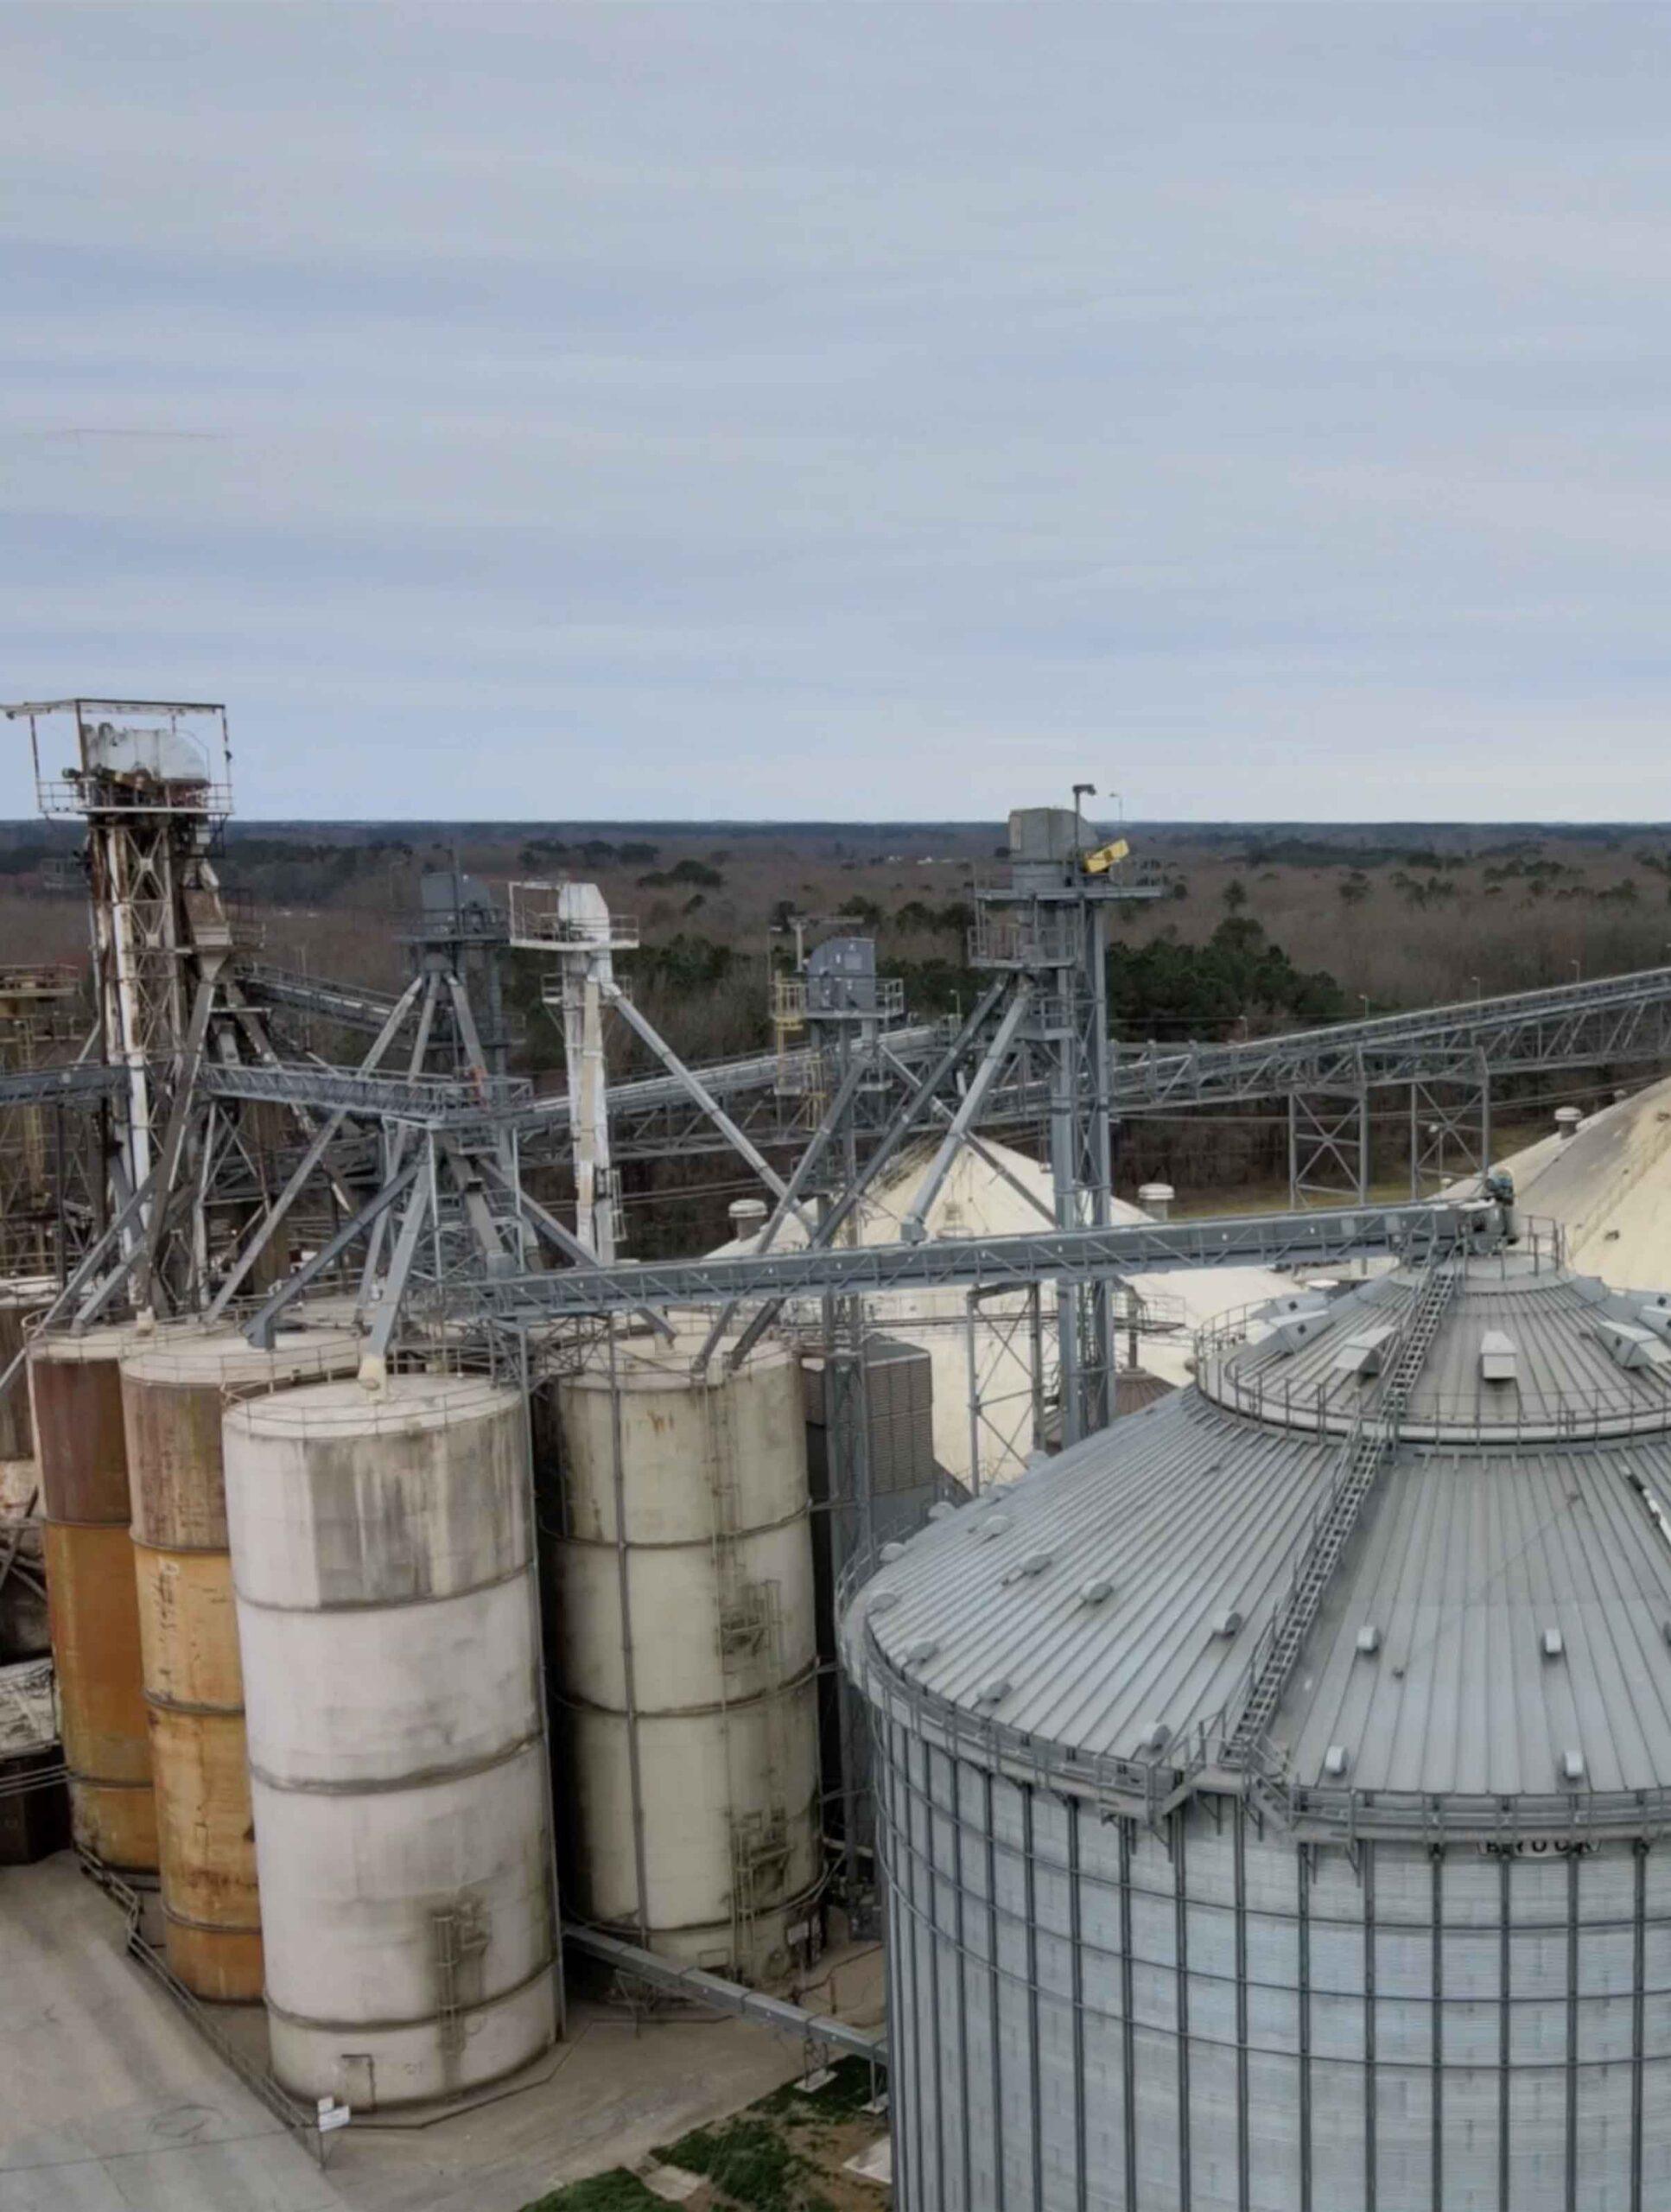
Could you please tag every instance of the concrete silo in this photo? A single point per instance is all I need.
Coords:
(680, 1562)
(382, 1552)
(173, 1397)
(1273, 1788)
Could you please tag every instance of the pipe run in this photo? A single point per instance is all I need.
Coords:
(639, 1965)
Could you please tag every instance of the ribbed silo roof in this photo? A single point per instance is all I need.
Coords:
(1496, 1624)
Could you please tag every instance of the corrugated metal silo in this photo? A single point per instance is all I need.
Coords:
(1404, 1942)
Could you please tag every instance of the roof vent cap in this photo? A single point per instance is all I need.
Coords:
(1631, 1346)
(942, 1510)
(1554, 1643)
(1100, 1589)
(1368, 1639)
(920, 1654)
(995, 1525)
(1034, 1563)
(1364, 1351)
(1566, 1121)
(1336, 1760)
(1295, 1323)
(1153, 1736)
(1499, 1359)
(991, 1692)
(1572, 1765)
(1226, 1623)
(891, 1551)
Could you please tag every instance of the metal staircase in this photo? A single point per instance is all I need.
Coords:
(1368, 1446)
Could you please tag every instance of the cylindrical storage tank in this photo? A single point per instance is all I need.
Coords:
(173, 1398)
(388, 1619)
(682, 1571)
(1256, 1838)
(75, 1390)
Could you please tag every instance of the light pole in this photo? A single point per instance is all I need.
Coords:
(1577, 971)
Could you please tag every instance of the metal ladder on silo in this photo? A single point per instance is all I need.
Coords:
(1368, 1446)
(459, 1937)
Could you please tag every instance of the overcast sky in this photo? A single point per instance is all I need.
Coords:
(849, 410)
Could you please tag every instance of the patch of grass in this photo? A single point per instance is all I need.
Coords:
(747, 2159)
(617, 2191)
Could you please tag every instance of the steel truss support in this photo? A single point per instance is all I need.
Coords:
(1309, 1240)
(914, 1227)
(1048, 931)
(1329, 1147)
(1450, 1129)
(744, 1146)
(305, 1168)
(261, 1328)
(1005, 1336)
(859, 1180)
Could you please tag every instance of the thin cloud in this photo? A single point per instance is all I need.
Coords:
(649, 411)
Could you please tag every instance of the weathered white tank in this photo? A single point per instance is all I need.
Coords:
(387, 1615)
(685, 1637)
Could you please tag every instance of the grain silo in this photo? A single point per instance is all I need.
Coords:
(75, 1389)
(680, 1561)
(173, 1398)
(382, 1551)
(1275, 1786)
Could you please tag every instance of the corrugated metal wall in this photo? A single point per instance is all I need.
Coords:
(1455, 2030)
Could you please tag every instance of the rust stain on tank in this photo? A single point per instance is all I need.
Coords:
(173, 1401)
(81, 1443)
(174, 1472)
(205, 1835)
(188, 1627)
(95, 1612)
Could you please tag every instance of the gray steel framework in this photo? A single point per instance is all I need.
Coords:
(1618, 1017)
(1304, 1239)
(1617, 1021)
(1454, 1049)
(350, 1006)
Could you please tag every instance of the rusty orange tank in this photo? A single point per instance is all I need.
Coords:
(95, 1646)
(75, 1389)
(173, 1397)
